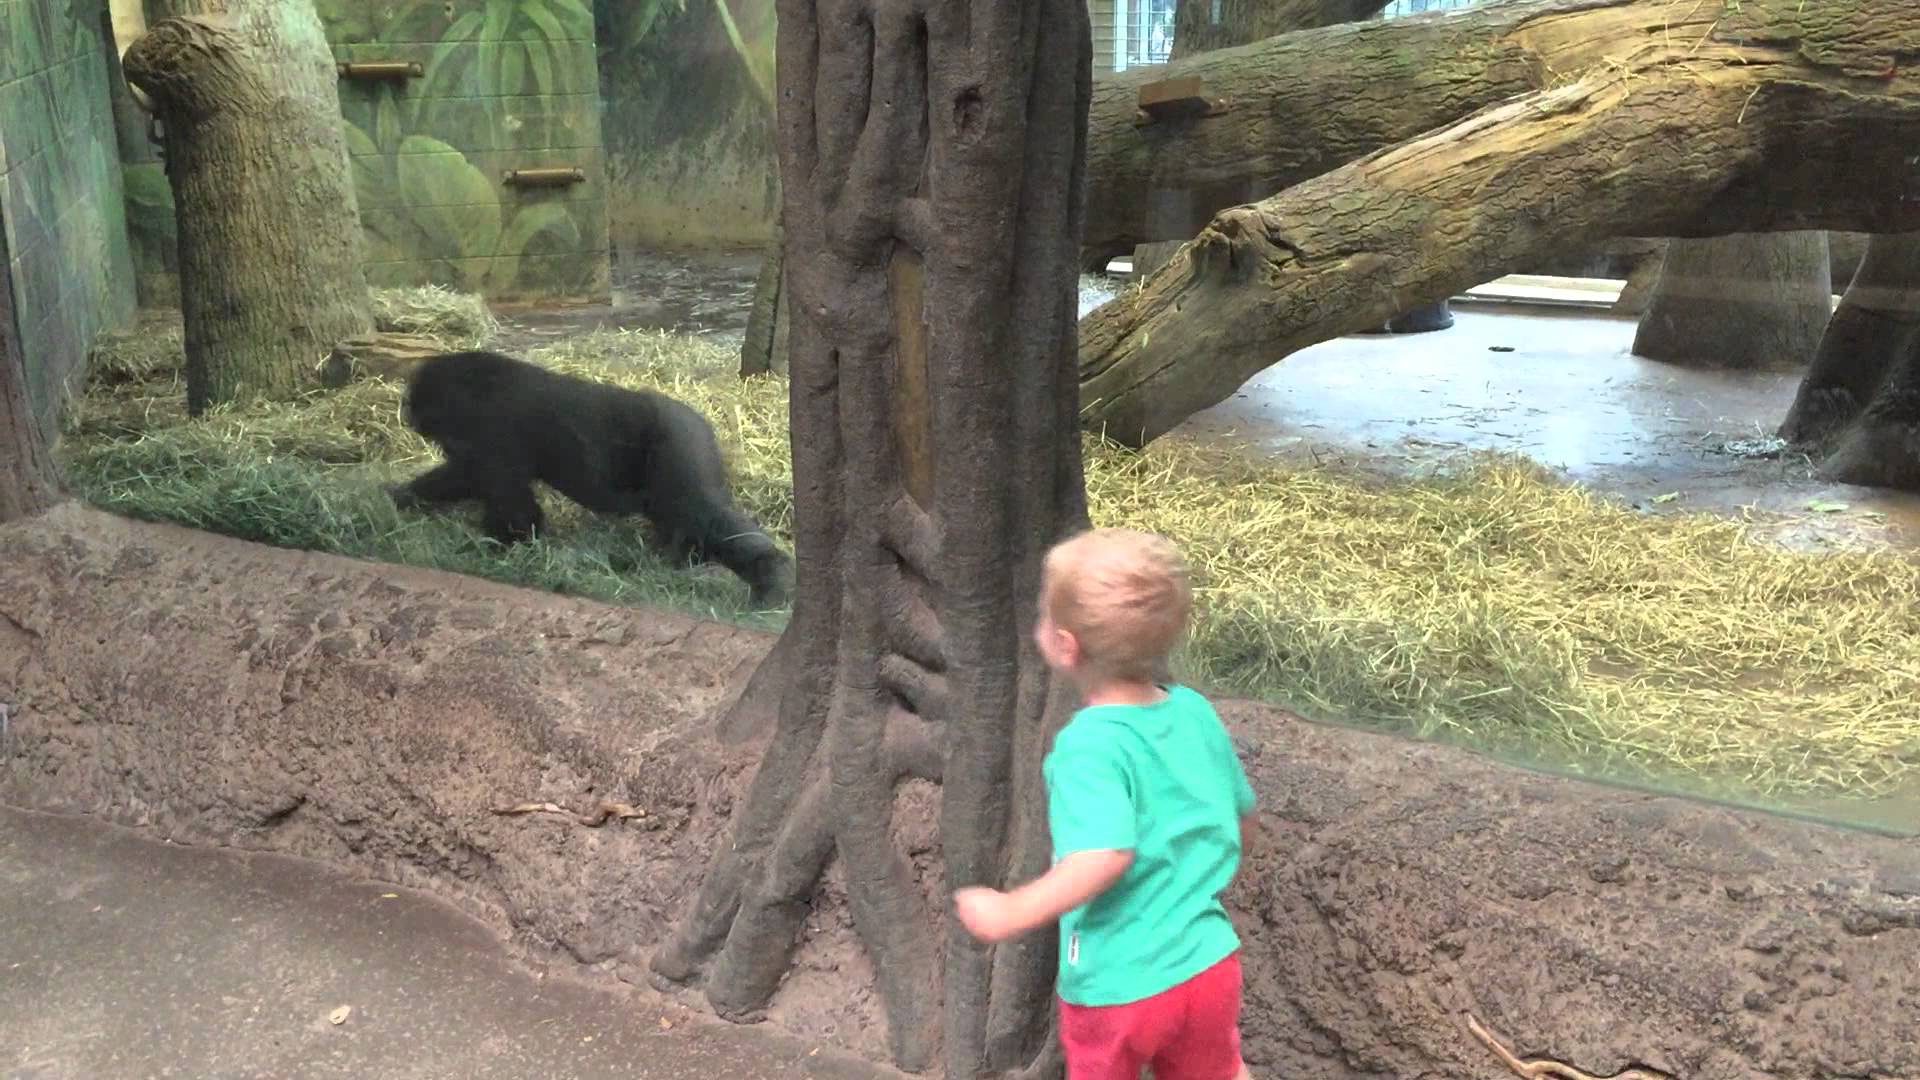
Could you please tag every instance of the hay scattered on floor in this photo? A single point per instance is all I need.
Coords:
(1494, 607)
(156, 344)
(153, 346)
(462, 320)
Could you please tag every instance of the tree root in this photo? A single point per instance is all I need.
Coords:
(1541, 1068)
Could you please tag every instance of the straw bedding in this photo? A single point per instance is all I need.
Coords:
(1491, 605)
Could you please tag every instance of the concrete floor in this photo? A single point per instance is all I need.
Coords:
(123, 958)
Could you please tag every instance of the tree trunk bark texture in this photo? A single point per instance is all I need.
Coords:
(1762, 118)
(1750, 301)
(931, 162)
(29, 478)
(1221, 24)
(270, 247)
(213, 691)
(763, 348)
(1859, 406)
(1205, 25)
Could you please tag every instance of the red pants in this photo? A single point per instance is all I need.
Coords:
(1191, 1032)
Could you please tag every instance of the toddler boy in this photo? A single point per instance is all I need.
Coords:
(1145, 798)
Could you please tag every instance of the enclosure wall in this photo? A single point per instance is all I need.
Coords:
(503, 85)
(60, 190)
(689, 122)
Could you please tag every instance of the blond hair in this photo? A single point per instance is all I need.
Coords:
(1124, 594)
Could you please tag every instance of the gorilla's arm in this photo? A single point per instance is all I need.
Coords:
(445, 483)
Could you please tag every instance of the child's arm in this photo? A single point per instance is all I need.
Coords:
(992, 915)
(1090, 816)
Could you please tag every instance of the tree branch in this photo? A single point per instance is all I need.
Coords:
(1296, 105)
(1721, 132)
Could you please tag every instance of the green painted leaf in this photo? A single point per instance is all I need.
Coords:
(149, 200)
(452, 201)
(539, 16)
(576, 18)
(443, 67)
(499, 17)
(513, 72)
(552, 220)
(540, 56)
(387, 131)
(373, 179)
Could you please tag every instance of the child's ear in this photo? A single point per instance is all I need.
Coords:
(1069, 646)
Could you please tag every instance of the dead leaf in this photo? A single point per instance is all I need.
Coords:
(339, 1015)
(1667, 498)
(1822, 506)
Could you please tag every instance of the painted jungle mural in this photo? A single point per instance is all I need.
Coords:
(504, 84)
(60, 188)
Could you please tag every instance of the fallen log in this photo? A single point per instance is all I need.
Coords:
(377, 717)
(382, 354)
(1298, 105)
(1756, 119)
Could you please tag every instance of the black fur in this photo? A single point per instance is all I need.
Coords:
(505, 423)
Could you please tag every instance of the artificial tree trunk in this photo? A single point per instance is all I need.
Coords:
(763, 348)
(269, 229)
(1761, 118)
(931, 162)
(1750, 301)
(1855, 410)
(29, 479)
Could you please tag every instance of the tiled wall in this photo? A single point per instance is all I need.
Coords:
(60, 190)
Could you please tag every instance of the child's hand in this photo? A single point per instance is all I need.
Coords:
(985, 913)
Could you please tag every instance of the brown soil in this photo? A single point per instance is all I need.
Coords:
(213, 691)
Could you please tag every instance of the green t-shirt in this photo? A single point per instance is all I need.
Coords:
(1162, 781)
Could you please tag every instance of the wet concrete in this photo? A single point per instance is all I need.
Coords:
(123, 957)
(1563, 389)
(706, 294)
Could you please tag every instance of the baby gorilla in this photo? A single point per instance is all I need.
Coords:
(504, 423)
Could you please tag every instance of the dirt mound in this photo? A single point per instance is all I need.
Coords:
(378, 717)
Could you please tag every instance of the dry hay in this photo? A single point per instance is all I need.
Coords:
(462, 320)
(156, 344)
(1494, 606)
